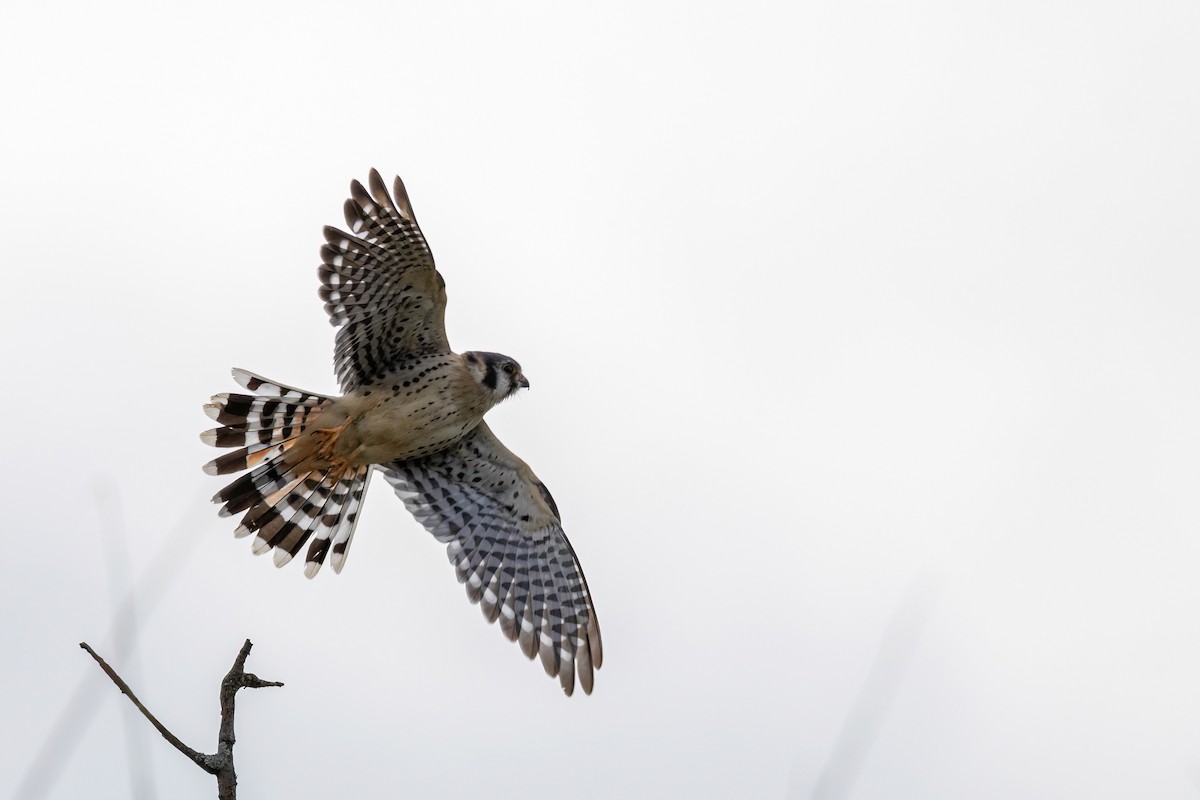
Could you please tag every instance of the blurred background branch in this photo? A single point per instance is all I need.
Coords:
(124, 609)
(80, 709)
(878, 691)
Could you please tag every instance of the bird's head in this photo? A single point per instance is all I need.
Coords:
(499, 375)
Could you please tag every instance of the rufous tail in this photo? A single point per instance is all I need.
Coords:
(287, 498)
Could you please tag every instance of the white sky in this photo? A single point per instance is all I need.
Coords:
(825, 306)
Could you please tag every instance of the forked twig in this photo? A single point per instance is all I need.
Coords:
(219, 763)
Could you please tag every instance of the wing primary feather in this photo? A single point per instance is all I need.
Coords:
(380, 193)
(595, 646)
(569, 601)
(402, 202)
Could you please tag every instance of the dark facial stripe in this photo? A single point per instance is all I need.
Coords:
(489, 377)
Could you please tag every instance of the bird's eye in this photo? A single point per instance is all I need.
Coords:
(509, 369)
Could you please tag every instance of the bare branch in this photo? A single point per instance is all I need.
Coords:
(221, 762)
(199, 758)
(236, 679)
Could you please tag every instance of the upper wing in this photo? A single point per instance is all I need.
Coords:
(506, 542)
(380, 284)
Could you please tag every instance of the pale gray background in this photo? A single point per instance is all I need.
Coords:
(835, 313)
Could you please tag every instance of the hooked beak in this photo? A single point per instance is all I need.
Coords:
(523, 382)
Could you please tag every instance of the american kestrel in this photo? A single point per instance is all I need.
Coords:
(412, 409)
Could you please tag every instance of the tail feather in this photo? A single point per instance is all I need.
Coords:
(255, 486)
(287, 497)
(333, 525)
(271, 517)
(264, 430)
(342, 537)
(247, 457)
(265, 387)
(265, 513)
(303, 522)
(234, 410)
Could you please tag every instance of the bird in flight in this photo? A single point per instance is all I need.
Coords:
(411, 409)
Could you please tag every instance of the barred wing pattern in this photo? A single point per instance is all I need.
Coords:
(503, 535)
(379, 283)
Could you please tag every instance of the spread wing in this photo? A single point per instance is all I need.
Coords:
(503, 535)
(380, 285)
